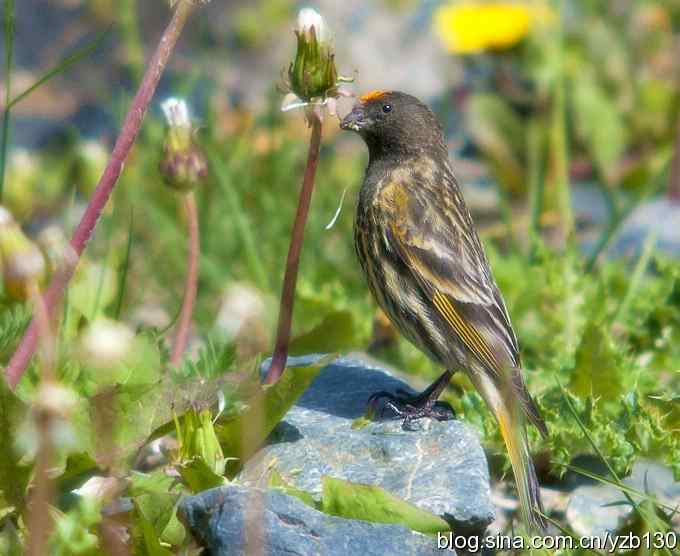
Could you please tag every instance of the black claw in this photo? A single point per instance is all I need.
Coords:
(410, 407)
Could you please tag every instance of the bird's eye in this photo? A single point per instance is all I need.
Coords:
(387, 108)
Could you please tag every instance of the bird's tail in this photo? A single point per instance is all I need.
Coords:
(511, 423)
(511, 420)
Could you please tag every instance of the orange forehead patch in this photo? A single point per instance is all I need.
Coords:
(372, 95)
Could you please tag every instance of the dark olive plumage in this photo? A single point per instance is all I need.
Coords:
(427, 270)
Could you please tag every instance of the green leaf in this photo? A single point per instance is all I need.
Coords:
(214, 359)
(198, 476)
(375, 504)
(277, 481)
(78, 468)
(155, 498)
(242, 434)
(146, 536)
(12, 325)
(599, 123)
(62, 66)
(13, 476)
(92, 285)
(497, 130)
(597, 370)
(334, 333)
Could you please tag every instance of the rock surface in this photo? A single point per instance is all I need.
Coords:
(219, 518)
(439, 466)
(661, 218)
(601, 509)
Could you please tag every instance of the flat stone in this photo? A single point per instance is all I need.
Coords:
(439, 466)
(603, 509)
(660, 218)
(234, 520)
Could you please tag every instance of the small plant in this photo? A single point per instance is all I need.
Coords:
(313, 83)
(184, 167)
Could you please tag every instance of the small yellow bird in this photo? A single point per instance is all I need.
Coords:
(427, 270)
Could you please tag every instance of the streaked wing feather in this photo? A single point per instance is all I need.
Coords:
(438, 244)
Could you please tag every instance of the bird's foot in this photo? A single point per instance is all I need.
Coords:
(410, 407)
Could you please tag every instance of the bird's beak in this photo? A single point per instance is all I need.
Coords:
(356, 120)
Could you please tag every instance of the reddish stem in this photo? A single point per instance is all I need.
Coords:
(191, 284)
(83, 233)
(39, 519)
(292, 264)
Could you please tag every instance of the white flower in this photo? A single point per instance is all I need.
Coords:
(94, 152)
(106, 343)
(6, 218)
(308, 18)
(176, 112)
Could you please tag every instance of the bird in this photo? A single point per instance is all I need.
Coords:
(427, 270)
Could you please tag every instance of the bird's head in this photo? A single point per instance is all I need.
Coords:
(393, 121)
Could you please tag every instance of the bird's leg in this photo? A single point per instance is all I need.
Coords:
(412, 407)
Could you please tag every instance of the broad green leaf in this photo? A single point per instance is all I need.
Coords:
(334, 333)
(145, 533)
(597, 370)
(13, 476)
(155, 497)
(242, 434)
(198, 476)
(277, 481)
(375, 504)
(92, 284)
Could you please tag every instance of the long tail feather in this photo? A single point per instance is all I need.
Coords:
(514, 434)
(509, 412)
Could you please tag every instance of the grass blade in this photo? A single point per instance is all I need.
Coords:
(61, 66)
(8, 21)
(123, 274)
(648, 518)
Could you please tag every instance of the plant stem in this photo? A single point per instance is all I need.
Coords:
(674, 178)
(8, 20)
(293, 262)
(128, 134)
(39, 520)
(191, 284)
(535, 151)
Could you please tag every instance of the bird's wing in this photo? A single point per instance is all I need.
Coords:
(426, 224)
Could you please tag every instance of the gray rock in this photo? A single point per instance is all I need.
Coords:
(439, 466)
(220, 519)
(597, 510)
(600, 509)
(660, 218)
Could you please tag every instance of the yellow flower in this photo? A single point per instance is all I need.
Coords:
(471, 27)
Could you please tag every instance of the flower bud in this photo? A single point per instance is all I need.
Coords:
(183, 165)
(23, 265)
(312, 74)
(198, 439)
(56, 248)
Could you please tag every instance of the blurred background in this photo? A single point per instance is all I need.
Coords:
(562, 123)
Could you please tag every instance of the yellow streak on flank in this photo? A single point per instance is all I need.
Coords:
(373, 95)
(470, 336)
